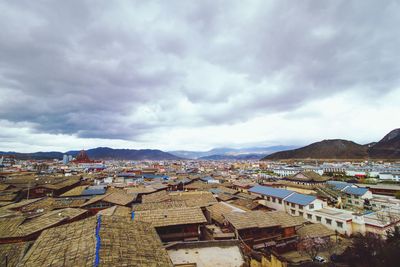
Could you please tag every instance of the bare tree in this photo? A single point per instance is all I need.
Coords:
(311, 246)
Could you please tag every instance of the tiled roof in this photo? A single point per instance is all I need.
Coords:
(270, 191)
(300, 199)
(169, 217)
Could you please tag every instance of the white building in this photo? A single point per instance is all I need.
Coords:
(286, 200)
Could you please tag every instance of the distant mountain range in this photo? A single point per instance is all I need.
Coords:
(387, 148)
(103, 153)
(230, 153)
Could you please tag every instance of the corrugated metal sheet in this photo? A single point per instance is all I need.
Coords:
(271, 191)
(300, 199)
(358, 191)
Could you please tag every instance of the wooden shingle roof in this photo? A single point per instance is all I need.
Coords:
(20, 227)
(122, 243)
(169, 217)
(217, 211)
(156, 197)
(250, 219)
(314, 230)
(159, 205)
(76, 191)
(195, 199)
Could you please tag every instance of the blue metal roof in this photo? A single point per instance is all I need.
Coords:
(94, 191)
(338, 185)
(300, 199)
(270, 191)
(359, 191)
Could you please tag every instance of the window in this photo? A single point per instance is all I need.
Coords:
(273, 199)
(268, 199)
(301, 213)
(356, 202)
(292, 211)
(328, 221)
(300, 207)
(280, 201)
(339, 224)
(373, 205)
(318, 218)
(293, 205)
(311, 206)
(309, 216)
(349, 201)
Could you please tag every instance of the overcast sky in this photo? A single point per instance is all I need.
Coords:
(196, 74)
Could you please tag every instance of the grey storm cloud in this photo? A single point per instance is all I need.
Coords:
(108, 69)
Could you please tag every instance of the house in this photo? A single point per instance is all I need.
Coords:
(308, 178)
(19, 228)
(352, 195)
(296, 204)
(159, 205)
(258, 229)
(176, 224)
(55, 188)
(98, 203)
(216, 212)
(357, 196)
(271, 197)
(99, 240)
(209, 180)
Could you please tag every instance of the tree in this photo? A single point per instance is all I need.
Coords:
(372, 250)
(311, 246)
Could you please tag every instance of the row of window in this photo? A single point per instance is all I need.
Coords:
(274, 200)
(327, 221)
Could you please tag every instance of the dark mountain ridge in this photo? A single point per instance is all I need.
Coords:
(387, 148)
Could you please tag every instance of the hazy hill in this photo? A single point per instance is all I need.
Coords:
(218, 153)
(101, 153)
